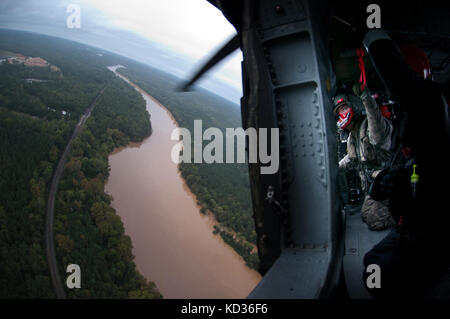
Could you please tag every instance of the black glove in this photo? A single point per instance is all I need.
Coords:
(375, 189)
(391, 182)
(357, 90)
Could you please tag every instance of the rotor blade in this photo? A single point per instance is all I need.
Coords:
(214, 3)
(226, 50)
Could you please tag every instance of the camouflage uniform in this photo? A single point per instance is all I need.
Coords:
(368, 150)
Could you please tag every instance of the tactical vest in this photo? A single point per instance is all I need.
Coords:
(368, 158)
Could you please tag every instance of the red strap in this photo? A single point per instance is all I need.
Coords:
(362, 77)
(385, 111)
(406, 152)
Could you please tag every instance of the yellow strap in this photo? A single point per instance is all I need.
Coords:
(414, 176)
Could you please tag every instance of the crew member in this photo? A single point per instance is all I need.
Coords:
(414, 258)
(368, 147)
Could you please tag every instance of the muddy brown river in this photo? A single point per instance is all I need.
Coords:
(173, 243)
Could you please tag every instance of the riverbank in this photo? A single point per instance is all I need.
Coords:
(95, 239)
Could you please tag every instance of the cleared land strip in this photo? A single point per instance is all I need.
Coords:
(50, 212)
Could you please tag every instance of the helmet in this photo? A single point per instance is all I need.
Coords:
(345, 114)
(338, 100)
(417, 60)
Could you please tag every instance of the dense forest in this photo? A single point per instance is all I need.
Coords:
(222, 189)
(87, 229)
(37, 119)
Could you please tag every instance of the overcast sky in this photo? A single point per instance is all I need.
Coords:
(181, 34)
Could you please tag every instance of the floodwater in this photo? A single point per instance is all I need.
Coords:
(172, 241)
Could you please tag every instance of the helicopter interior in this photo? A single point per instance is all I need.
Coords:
(302, 263)
(297, 56)
(359, 239)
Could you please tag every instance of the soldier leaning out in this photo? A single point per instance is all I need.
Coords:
(368, 147)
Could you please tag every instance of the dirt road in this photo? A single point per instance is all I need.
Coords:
(50, 211)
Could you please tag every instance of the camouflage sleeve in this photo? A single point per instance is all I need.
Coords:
(343, 163)
(379, 128)
(350, 156)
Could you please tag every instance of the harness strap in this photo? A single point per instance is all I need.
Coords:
(362, 68)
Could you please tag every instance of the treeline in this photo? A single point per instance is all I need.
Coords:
(222, 189)
(244, 249)
(33, 134)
